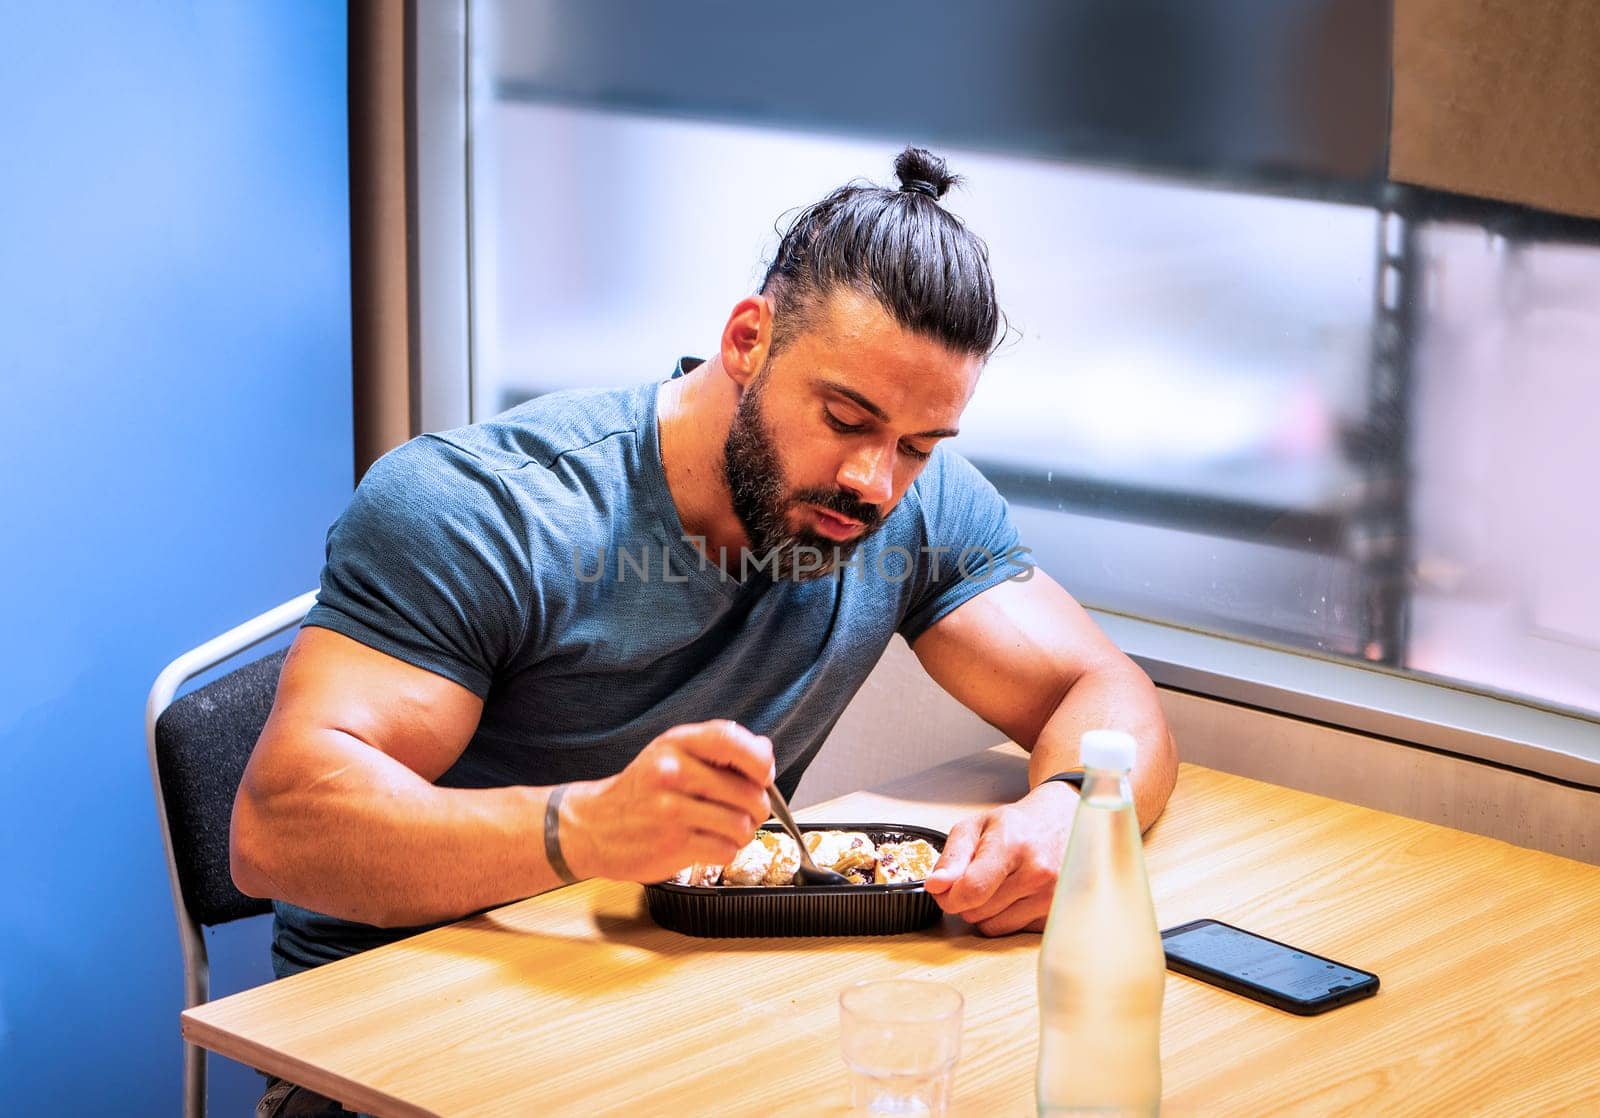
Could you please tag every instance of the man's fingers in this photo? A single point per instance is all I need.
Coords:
(714, 820)
(693, 777)
(985, 872)
(728, 744)
(1027, 915)
(958, 848)
(707, 849)
(1028, 874)
(1008, 893)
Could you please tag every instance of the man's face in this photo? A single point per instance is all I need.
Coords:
(835, 428)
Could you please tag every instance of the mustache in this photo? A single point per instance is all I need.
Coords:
(835, 500)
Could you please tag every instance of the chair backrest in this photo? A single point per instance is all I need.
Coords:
(198, 747)
(202, 743)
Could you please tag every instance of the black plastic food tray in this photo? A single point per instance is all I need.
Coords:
(802, 910)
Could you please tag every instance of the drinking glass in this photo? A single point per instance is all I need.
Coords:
(900, 1039)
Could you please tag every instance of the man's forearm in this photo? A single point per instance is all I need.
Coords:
(371, 841)
(1113, 698)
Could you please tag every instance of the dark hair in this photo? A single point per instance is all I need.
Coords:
(927, 269)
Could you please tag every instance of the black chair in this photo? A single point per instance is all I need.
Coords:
(198, 746)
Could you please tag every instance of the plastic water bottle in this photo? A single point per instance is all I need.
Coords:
(1101, 967)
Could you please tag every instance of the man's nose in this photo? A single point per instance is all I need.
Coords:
(869, 474)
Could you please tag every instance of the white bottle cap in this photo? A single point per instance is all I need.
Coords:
(1108, 749)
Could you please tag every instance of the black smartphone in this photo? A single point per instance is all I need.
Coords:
(1273, 973)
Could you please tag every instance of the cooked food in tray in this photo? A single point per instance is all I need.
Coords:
(750, 865)
(772, 857)
(701, 873)
(904, 861)
(767, 859)
(848, 852)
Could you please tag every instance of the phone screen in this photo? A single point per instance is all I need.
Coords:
(1264, 969)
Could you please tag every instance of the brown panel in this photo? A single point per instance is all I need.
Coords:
(1499, 98)
(378, 258)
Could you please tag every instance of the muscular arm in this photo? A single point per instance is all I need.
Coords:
(1028, 659)
(338, 812)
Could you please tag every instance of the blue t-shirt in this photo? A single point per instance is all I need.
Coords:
(537, 559)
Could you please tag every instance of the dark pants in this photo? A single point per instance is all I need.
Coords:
(283, 1099)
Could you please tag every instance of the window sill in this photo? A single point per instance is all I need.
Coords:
(1429, 715)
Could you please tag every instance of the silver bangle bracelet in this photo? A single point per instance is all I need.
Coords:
(552, 835)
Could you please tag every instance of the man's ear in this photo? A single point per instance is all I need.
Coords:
(747, 338)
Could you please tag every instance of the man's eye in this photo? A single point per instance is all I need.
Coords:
(838, 424)
(913, 452)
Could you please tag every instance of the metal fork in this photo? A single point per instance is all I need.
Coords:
(808, 872)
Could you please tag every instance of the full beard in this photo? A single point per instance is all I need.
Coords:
(762, 502)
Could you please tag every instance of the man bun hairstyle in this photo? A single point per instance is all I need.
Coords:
(899, 246)
(921, 170)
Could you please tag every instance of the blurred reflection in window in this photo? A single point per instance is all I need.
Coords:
(1507, 460)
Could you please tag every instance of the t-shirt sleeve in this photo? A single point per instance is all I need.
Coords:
(428, 564)
(969, 542)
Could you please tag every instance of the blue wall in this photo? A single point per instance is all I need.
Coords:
(174, 441)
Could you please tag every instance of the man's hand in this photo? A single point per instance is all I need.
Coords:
(999, 868)
(694, 794)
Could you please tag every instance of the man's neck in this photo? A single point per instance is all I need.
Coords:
(694, 412)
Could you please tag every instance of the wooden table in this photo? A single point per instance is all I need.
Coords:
(575, 1003)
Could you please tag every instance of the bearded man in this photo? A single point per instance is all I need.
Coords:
(580, 639)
